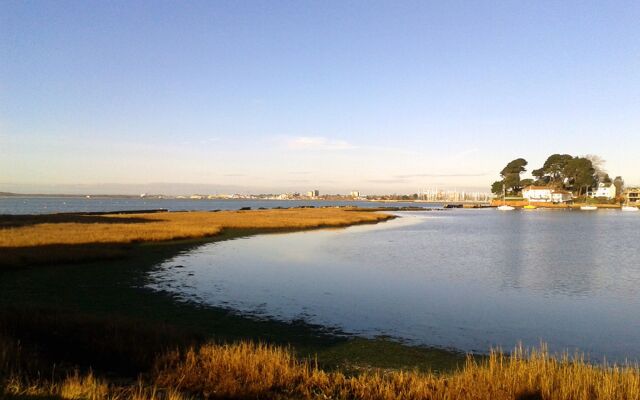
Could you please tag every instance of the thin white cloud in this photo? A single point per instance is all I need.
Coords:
(317, 143)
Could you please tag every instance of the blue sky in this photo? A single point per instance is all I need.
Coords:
(375, 96)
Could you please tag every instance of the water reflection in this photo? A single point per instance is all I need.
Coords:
(464, 279)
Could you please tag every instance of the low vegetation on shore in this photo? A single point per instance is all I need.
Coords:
(246, 370)
(33, 239)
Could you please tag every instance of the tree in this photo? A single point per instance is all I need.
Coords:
(511, 175)
(541, 177)
(598, 165)
(496, 188)
(579, 174)
(526, 182)
(553, 169)
(619, 184)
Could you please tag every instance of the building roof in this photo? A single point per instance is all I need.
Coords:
(533, 187)
(561, 191)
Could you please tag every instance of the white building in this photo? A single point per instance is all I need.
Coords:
(355, 194)
(537, 193)
(605, 190)
(561, 196)
(544, 194)
(313, 193)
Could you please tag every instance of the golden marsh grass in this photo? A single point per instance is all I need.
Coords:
(129, 228)
(53, 238)
(258, 371)
(248, 370)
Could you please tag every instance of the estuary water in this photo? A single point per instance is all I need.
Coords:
(463, 279)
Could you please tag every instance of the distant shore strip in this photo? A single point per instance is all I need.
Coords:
(58, 238)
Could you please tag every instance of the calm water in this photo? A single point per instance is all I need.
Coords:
(46, 205)
(467, 279)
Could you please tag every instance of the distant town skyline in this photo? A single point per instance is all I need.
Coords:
(250, 97)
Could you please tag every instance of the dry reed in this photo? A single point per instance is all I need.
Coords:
(88, 387)
(259, 371)
(251, 371)
(129, 228)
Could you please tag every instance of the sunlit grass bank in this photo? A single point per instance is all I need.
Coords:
(54, 238)
(39, 230)
(257, 371)
(249, 370)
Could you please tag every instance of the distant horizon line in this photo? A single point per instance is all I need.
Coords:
(176, 189)
(221, 195)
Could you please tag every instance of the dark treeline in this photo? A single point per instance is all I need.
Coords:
(561, 171)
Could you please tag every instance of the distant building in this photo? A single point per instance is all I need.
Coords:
(438, 195)
(355, 193)
(313, 193)
(544, 194)
(561, 196)
(604, 190)
(632, 195)
(537, 193)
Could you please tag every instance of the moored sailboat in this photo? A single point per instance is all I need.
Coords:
(587, 207)
(504, 206)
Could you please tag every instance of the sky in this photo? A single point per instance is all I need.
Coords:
(264, 96)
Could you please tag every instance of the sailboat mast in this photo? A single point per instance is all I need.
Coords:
(504, 194)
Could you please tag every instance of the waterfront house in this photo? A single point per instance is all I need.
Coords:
(561, 196)
(545, 194)
(632, 196)
(537, 193)
(604, 191)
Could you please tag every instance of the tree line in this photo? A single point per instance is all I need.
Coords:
(561, 171)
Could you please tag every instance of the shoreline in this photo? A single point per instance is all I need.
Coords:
(557, 206)
(108, 289)
(38, 239)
